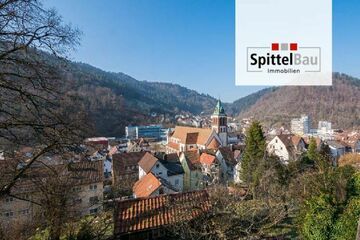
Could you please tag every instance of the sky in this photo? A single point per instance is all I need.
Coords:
(187, 42)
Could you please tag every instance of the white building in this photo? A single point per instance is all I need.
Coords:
(286, 147)
(301, 126)
(324, 130)
(170, 172)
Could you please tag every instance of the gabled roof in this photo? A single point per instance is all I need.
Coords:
(170, 157)
(123, 160)
(86, 172)
(335, 144)
(286, 139)
(228, 155)
(192, 135)
(193, 160)
(146, 185)
(174, 168)
(147, 162)
(173, 145)
(191, 138)
(77, 173)
(295, 139)
(214, 144)
(207, 159)
(150, 213)
(317, 140)
(290, 141)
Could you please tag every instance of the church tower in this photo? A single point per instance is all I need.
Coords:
(219, 122)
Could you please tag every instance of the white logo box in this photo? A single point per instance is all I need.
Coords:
(273, 32)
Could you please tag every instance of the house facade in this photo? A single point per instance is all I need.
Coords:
(193, 176)
(171, 172)
(211, 168)
(125, 170)
(83, 180)
(228, 164)
(286, 146)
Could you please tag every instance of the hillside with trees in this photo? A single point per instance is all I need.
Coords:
(114, 100)
(338, 103)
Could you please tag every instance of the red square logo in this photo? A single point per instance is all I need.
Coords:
(293, 46)
(275, 47)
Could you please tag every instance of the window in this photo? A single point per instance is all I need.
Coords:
(93, 187)
(93, 200)
(9, 214)
(157, 165)
(77, 189)
(281, 148)
(9, 199)
(24, 212)
(177, 181)
(93, 211)
(276, 140)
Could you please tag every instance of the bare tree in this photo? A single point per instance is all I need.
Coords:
(235, 216)
(35, 109)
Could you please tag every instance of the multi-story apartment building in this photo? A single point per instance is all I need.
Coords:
(80, 183)
(301, 126)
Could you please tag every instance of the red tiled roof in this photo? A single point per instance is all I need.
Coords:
(317, 140)
(79, 173)
(191, 135)
(214, 144)
(173, 145)
(150, 213)
(207, 159)
(146, 185)
(191, 138)
(121, 161)
(147, 162)
(192, 159)
(296, 139)
(228, 155)
(172, 157)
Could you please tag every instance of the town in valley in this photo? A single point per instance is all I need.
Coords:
(152, 164)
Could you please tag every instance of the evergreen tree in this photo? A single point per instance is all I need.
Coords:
(252, 164)
(346, 226)
(312, 153)
(317, 218)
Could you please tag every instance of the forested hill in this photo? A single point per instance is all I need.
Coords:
(339, 104)
(114, 100)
